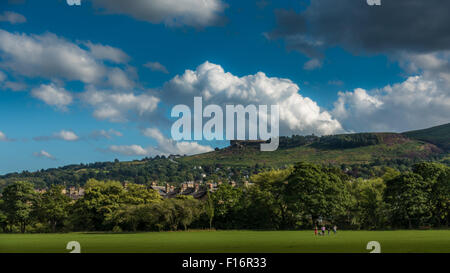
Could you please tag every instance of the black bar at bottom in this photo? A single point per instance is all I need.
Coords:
(232, 262)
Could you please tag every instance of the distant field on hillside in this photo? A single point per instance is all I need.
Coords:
(402, 241)
(412, 149)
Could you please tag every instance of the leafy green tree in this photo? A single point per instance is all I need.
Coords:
(209, 209)
(390, 173)
(369, 209)
(130, 217)
(133, 212)
(437, 177)
(429, 171)
(53, 207)
(3, 218)
(258, 210)
(408, 196)
(268, 195)
(164, 216)
(18, 204)
(313, 191)
(100, 200)
(187, 210)
(441, 198)
(139, 194)
(168, 214)
(226, 200)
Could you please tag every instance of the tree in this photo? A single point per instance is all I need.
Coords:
(313, 191)
(19, 199)
(187, 209)
(390, 173)
(225, 200)
(369, 206)
(167, 214)
(258, 209)
(408, 196)
(3, 217)
(100, 200)
(129, 217)
(429, 171)
(441, 198)
(54, 207)
(139, 194)
(272, 187)
(209, 209)
(438, 179)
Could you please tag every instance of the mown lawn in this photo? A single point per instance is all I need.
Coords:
(409, 241)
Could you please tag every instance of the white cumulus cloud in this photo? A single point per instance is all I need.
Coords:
(415, 103)
(433, 66)
(298, 114)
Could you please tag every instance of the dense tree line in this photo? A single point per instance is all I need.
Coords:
(164, 170)
(294, 198)
(105, 206)
(344, 141)
(160, 169)
(296, 140)
(347, 141)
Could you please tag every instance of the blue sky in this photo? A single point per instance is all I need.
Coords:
(49, 115)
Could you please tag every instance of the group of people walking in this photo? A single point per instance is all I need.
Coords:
(324, 229)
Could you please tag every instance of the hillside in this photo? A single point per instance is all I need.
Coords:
(334, 150)
(360, 155)
(439, 136)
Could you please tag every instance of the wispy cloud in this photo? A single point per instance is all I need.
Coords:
(156, 66)
(12, 17)
(336, 82)
(44, 154)
(312, 64)
(61, 135)
(165, 146)
(4, 138)
(105, 134)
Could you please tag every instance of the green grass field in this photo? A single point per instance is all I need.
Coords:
(408, 241)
